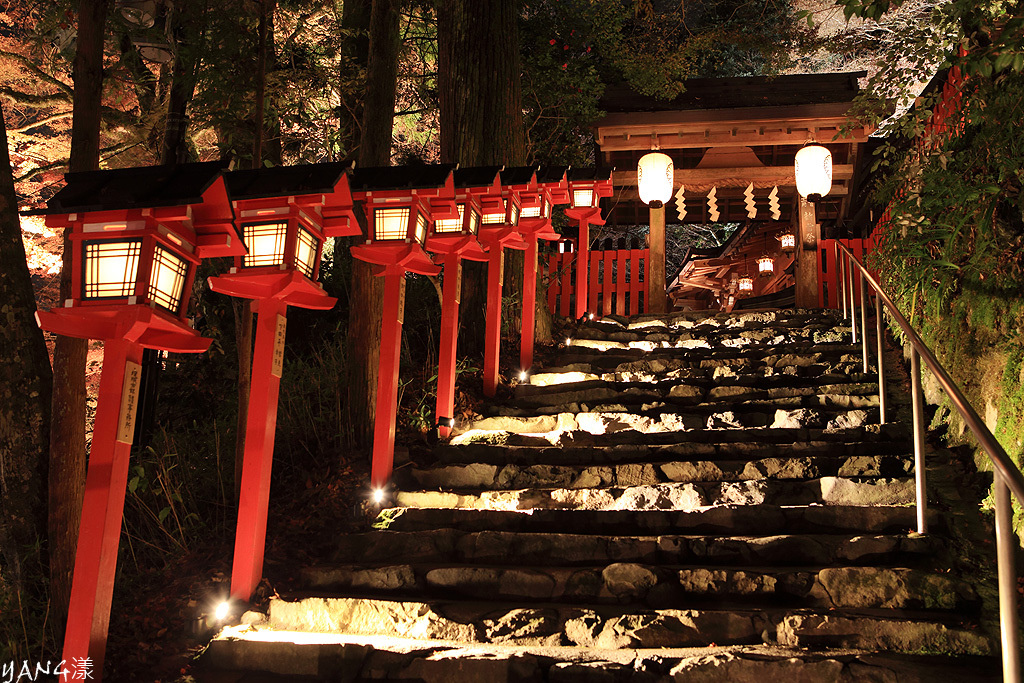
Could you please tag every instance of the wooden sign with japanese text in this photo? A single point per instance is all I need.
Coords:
(277, 362)
(129, 402)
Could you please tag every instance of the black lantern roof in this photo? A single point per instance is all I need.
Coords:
(285, 181)
(589, 173)
(371, 178)
(517, 175)
(132, 188)
(476, 176)
(551, 174)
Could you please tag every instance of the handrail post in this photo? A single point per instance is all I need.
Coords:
(864, 320)
(879, 330)
(841, 277)
(1005, 549)
(853, 301)
(917, 397)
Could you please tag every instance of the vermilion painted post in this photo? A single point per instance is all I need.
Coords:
(568, 265)
(450, 298)
(582, 263)
(103, 506)
(387, 380)
(529, 305)
(620, 281)
(258, 459)
(492, 329)
(609, 282)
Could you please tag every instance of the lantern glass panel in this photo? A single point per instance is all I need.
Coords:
(111, 268)
(451, 225)
(421, 228)
(582, 197)
(746, 284)
(494, 216)
(474, 221)
(531, 211)
(765, 266)
(788, 241)
(265, 242)
(515, 215)
(306, 246)
(167, 279)
(391, 224)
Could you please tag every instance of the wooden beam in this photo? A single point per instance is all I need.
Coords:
(668, 138)
(792, 115)
(807, 256)
(764, 177)
(656, 299)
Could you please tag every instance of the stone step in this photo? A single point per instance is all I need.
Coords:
(655, 585)
(260, 655)
(641, 453)
(763, 520)
(445, 545)
(703, 380)
(491, 476)
(617, 429)
(481, 452)
(676, 496)
(610, 358)
(613, 627)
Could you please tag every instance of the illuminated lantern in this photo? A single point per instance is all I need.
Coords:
(284, 214)
(136, 237)
(813, 168)
(765, 266)
(745, 284)
(787, 242)
(655, 178)
(586, 187)
(399, 204)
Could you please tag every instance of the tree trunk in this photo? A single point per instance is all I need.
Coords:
(25, 385)
(367, 294)
(355, 22)
(67, 427)
(480, 99)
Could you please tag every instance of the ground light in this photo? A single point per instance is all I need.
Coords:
(522, 375)
(222, 611)
(378, 496)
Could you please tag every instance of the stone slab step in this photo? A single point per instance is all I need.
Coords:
(616, 628)
(655, 585)
(710, 386)
(763, 520)
(779, 369)
(613, 429)
(568, 549)
(259, 655)
(478, 476)
(608, 360)
(676, 496)
(815, 412)
(642, 453)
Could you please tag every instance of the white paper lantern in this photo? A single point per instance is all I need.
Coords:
(655, 176)
(813, 171)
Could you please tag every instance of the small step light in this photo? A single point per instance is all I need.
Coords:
(378, 496)
(222, 611)
(522, 375)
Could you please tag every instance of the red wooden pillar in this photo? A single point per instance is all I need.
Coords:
(582, 263)
(103, 506)
(387, 380)
(451, 296)
(258, 459)
(492, 329)
(529, 305)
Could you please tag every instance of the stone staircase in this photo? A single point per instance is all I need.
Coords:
(684, 498)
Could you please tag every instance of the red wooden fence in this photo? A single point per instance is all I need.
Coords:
(617, 279)
(828, 270)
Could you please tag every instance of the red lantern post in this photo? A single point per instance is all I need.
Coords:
(551, 187)
(399, 205)
(284, 215)
(586, 187)
(501, 210)
(453, 240)
(138, 235)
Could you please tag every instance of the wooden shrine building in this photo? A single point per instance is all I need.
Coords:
(735, 139)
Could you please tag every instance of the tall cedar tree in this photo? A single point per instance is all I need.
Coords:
(24, 398)
(367, 295)
(67, 427)
(480, 99)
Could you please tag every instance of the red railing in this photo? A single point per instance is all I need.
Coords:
(828, 269)
(617, 278)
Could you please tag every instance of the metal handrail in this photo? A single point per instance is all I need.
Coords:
(1008, 477)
